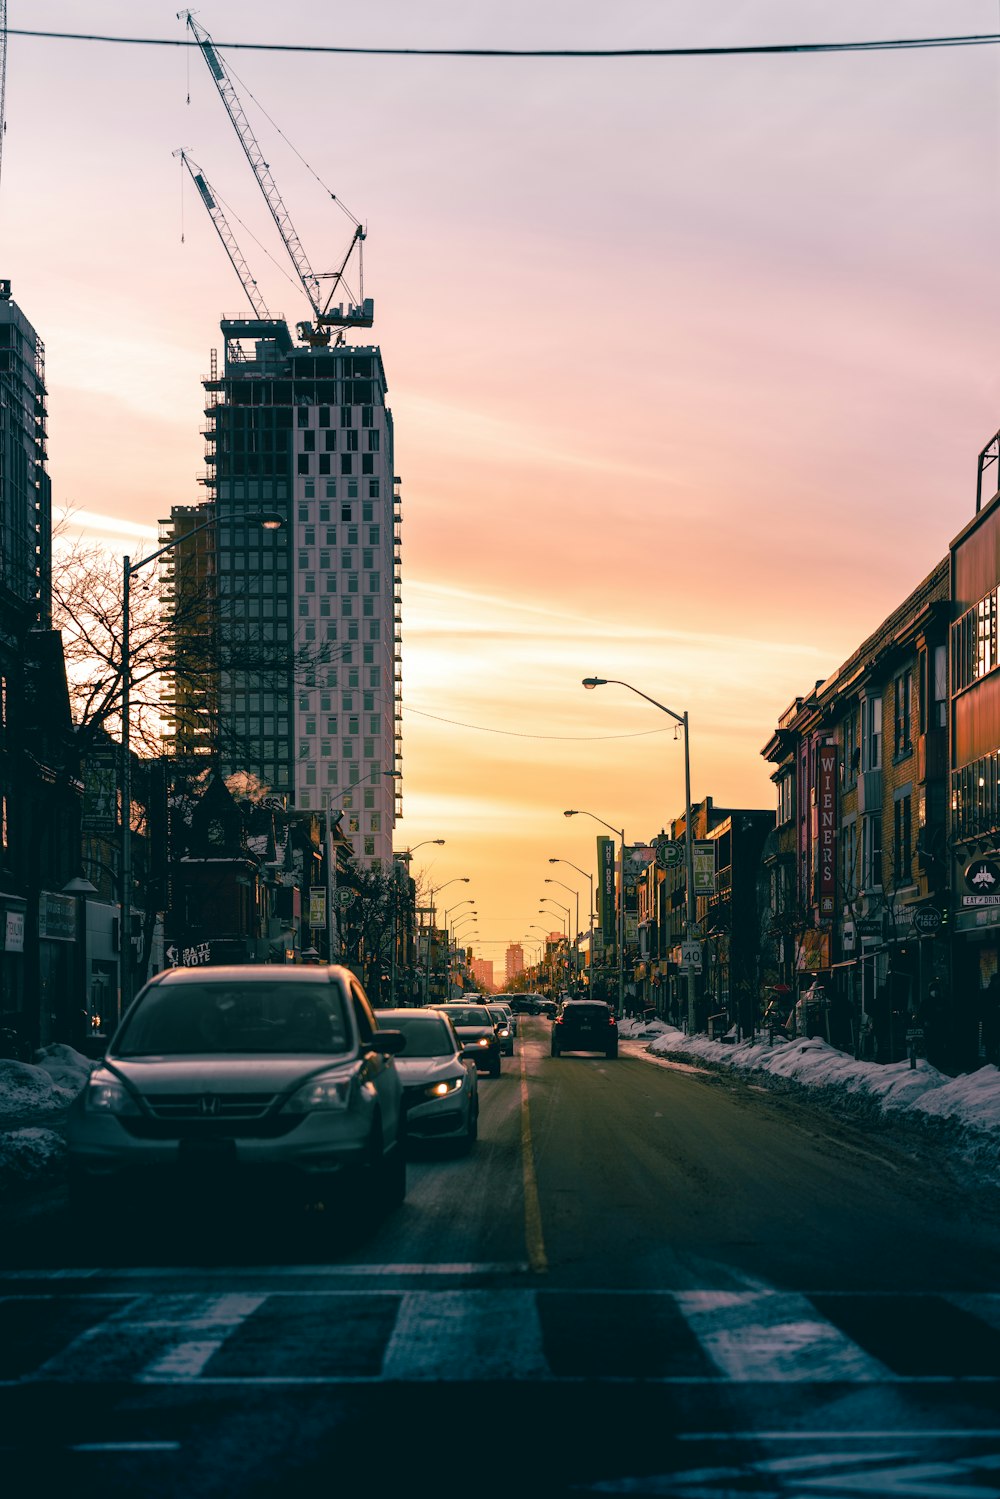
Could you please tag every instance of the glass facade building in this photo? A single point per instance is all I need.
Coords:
(302, 623)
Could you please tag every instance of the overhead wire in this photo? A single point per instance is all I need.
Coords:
(520, 734)
(765, 49)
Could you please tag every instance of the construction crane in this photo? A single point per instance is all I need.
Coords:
(3, 76)
(324, 314)
(226, 235)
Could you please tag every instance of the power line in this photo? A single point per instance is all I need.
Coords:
(770, 49)
(518, 734)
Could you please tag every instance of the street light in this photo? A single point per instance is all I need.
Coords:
(589, 877)
(407, 855)
(690, 912)
(459, 879)
(576, 893)
(577, 812)
(467, 902)
(547, 934)
(269, 522)
(565, 910)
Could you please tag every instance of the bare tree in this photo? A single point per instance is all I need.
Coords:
(184, 646)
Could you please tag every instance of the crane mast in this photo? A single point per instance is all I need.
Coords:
(226, 235)
(255, 157)
(324, 314)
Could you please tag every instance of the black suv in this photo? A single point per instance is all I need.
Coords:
(585, 1025)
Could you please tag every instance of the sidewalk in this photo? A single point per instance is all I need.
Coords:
(963, 1111)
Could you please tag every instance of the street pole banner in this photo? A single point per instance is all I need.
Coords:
(703, 858)
(606, 885)
(317, 907)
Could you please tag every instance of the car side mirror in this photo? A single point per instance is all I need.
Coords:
(389, 1043)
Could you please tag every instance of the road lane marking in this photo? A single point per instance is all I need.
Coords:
(465, 1335)
(126, 1447)
(534, 1241)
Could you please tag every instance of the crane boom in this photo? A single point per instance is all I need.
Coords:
(226, 235)
(254, 155)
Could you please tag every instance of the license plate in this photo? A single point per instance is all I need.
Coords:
(206, 1155)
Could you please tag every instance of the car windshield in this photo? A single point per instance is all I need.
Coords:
(426, 1035)
(213, 1018)
(470, 1015)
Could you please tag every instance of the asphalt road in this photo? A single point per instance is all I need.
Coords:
(645, 1279)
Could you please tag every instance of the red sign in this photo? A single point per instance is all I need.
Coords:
(827, 828)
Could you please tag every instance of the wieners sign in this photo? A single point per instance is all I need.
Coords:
(826, 799)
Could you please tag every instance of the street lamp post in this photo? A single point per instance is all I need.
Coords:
(576, 941)
(589, 877)
(459, 879)
(690, 921)
(405, 855)
(269, 523)
(546, 934)
(620, 832)
(565, 910)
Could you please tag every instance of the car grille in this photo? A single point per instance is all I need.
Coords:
(206, 1116)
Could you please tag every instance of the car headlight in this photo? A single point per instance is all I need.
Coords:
(504, 1032)
(443, 1088)
(107, 1094)
(483, 1041)
(327, 1091)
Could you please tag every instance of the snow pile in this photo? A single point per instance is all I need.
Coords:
(39, 1090)
(50, 1082)
(30, 1155)
(967, 1108)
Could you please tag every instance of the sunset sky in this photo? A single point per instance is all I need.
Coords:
(690, 360)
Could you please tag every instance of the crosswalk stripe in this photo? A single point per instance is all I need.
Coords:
(466, 1335)
(766, 1335)
(327, 1335)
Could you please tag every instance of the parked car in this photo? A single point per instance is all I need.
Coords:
(525, 1004)
(547, 1007)
(474, 1028)
(439, 1076)
(585, 1025)
(501, 1021)
(272, 1084)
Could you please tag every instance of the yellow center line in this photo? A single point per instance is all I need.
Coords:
(534, 1242)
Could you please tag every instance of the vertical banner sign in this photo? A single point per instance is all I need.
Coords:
(606, 887)
(317, 907)
(703, 859)
(827, 802)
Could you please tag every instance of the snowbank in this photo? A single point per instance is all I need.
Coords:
(38, 1091)
(968, 1105)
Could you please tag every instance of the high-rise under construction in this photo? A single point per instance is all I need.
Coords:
(295, 628)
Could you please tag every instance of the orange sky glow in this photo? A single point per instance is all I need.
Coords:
(689, 359)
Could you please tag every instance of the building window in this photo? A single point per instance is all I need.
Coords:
(370, 847)
(902, 850)
(303, 463)
(851, 747)
(849, 858)
(871, 729)
(871, 853)
(310, 489)
(902, 694)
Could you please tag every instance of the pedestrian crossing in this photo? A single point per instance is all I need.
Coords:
(371, 1333)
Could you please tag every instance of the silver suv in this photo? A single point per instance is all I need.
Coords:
(275, 1080)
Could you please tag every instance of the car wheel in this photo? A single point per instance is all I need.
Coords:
(612, 1051)
(495, 1067)
(555, 1047)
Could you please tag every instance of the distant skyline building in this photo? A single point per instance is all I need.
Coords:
(304, 621)
(25, 486)
(482, 972)
(514, 961)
